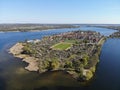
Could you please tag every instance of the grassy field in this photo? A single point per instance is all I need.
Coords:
(62, 46)
(70, 41)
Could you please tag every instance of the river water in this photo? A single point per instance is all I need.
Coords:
(13, 76)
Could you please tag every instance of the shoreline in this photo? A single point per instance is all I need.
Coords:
(16, 50)
(35, 30)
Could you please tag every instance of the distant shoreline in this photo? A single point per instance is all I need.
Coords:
(32, 30)
(33, 27)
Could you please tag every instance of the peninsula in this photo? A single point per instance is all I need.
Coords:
(76, 53)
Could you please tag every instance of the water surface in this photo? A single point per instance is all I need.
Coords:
(13, 76)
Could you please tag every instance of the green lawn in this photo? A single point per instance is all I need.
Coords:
(62, 46)
(70, 41)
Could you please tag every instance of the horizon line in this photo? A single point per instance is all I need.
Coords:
(62, 23)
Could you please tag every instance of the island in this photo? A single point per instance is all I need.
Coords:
(76, 53)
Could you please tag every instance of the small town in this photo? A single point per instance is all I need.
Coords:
(75, 52)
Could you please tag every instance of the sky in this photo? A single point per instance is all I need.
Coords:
(60, 11)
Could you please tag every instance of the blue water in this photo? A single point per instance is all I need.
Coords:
(108, 73)
(103, 31)
(14, 77)
(12, 37)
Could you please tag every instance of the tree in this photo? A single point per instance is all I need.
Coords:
(77, 65)
(54, 64)
(85, 59)
(68, 64)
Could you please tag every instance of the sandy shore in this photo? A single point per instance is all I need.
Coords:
(32, 62)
